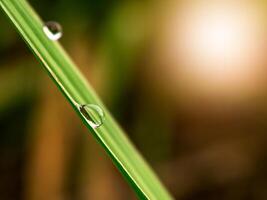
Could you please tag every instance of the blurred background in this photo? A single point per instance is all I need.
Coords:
(185, 79)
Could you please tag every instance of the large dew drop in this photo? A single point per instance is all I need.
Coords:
(93, 114)
(53, 30)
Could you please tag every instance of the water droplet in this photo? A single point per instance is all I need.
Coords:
(53, 30)
(93, 114)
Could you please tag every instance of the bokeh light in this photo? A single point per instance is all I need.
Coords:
(216, 47)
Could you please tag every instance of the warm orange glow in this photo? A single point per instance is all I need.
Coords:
(218, 45)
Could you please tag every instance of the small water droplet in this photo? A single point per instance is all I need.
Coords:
(93, 114)
(53, 30)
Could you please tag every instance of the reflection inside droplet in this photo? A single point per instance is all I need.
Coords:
(53, 30)
(93, 114)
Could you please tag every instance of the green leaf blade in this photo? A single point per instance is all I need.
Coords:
(78, 91)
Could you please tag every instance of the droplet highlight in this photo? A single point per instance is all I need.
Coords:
(93, 114)
(53, 30)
